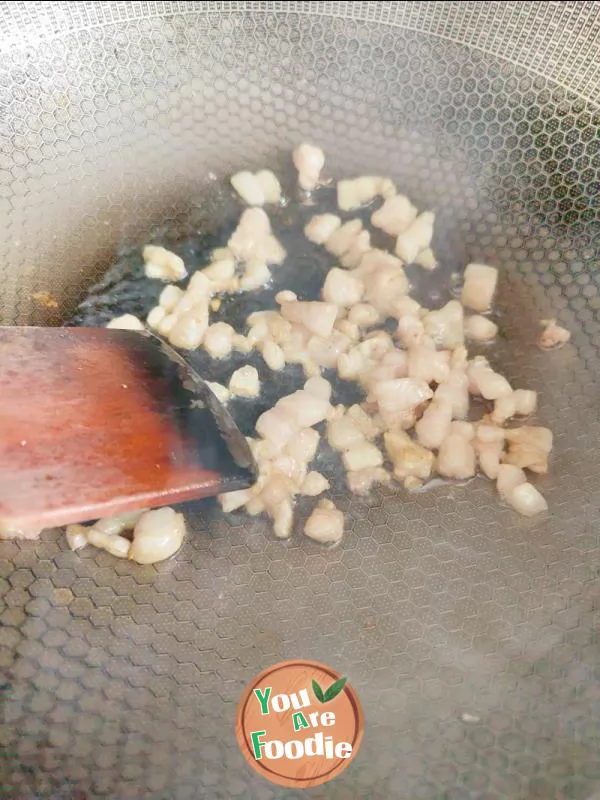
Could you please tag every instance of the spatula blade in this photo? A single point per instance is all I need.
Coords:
(96, 422)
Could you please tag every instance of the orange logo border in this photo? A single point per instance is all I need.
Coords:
(243, 738)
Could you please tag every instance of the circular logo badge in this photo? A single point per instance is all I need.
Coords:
(299, 724)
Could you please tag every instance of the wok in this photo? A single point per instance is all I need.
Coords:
(470, 634)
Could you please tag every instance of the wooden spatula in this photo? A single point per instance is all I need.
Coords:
(96, 422)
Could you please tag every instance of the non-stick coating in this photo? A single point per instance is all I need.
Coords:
(469, 633)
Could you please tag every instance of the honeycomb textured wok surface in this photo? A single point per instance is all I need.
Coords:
(469, 633)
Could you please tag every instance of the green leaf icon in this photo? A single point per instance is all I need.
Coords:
(318, 692)
(334, 689)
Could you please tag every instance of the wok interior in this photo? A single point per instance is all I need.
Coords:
(438, 604)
